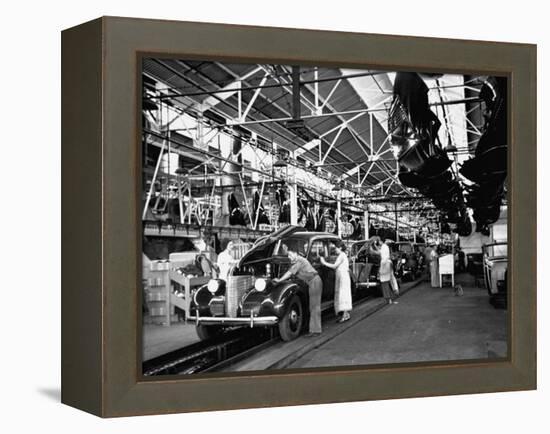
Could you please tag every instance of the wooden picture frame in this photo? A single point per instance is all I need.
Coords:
(101, 226)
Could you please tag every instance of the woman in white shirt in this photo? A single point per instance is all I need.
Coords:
(342, 284)
(386, 274)
(384, 252)
(225, 259)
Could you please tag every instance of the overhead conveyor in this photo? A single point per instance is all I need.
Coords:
(318, 128)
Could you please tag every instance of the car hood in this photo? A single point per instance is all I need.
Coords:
(271, 239)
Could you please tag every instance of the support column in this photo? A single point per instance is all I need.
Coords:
(317, 109)
(293, 194)
(190, 203)
(293, 204)
(199, 136)
(152, 187)
(396, 223)
(339, 213)
(180, 198)
(366, 224)
(296, 103)
(240, 100)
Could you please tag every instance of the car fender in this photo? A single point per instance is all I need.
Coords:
(283, 293)
(202, 297)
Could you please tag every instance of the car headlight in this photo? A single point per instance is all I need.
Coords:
(213, 286)
(403, 260)
(260, 285)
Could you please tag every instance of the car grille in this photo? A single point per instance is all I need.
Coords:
(236, 287)
(217, 306)
(250, 308)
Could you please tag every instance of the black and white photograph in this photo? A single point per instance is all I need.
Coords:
(289, 216)
(302, 216)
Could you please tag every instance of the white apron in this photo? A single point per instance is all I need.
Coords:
(342, 287)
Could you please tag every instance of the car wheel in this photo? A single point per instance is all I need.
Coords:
(205, 332)
(488, 286)
(290, 324)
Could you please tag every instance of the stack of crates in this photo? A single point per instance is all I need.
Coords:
(157, 294)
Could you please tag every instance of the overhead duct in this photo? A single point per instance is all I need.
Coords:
(423, 164)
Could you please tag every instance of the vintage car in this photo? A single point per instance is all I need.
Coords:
(495, 264)
(249, 298)
(405, 260)
(420, 250)
(364, 266)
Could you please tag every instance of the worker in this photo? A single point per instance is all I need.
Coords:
(428, 259)
(226, 259)
(434, 267)
(342, 284)
(388, 282)
(303, 270)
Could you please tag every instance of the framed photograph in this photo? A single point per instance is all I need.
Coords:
(260, 217)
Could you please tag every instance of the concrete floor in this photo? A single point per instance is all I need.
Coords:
(282, 354)
(159, 340)
(428, 324)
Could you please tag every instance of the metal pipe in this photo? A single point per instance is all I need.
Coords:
(327, 99)
(214, 92)
(222, 101)
(296, 103)
(316, 86)
(371, 135)
(339, 214)
(353, 162)
(259, 205)
(253, 100)
(456, 101)
(396, 223)
(207, 153)
(190, 205)
(144, 214)
(180, 201)
(321, 115)
(245, 198)
(366, 223)
(240, 100)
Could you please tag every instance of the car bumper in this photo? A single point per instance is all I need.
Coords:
(250, 321)
(367, 284)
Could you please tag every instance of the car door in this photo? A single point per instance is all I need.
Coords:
(329, 274)
(316, 251)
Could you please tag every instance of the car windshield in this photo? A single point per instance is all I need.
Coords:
(405, 248)
(355, 248)
(496, 250)
(297, 244)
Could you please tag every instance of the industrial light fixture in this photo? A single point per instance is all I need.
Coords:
(450, 148)
(149, 105)
(280, 163)
(337, 185)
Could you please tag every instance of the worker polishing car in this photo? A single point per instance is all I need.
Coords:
(251, 296)
(364, 264)
(405, 260)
